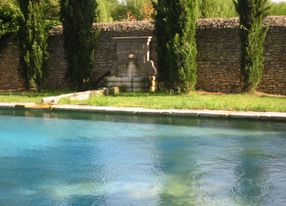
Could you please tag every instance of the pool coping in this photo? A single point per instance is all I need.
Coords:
(272, 116)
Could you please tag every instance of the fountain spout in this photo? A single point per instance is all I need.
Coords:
(132, 67)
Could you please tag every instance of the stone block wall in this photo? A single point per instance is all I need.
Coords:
(10, 77)
(218, 60)
(274, 75)
(57, 63)
(218, 55)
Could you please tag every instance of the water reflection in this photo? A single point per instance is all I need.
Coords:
(161, 162)
(252, 184)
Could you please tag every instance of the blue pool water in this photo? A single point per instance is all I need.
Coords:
(63, 159)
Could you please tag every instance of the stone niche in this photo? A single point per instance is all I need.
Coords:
(133, 70)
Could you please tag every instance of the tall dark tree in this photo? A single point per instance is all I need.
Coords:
(162, 38)
(175, 29)
(33, 41)
(77, 18)
(252, 37)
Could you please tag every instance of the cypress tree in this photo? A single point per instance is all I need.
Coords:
(162, 38)
(252, 37)
(33, 41)
(175, 29)
(77, 18)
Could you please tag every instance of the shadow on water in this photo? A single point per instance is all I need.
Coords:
(252, 186)
(147, 119)
(182, 177)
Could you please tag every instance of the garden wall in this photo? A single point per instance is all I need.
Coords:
(10, 77)
(218, 55)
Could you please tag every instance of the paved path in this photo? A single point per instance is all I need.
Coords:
(277, 116)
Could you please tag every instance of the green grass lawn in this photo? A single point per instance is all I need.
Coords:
(237, 102)
(234, 102)
(27, 97)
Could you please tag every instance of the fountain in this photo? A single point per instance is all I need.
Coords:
(133, 70)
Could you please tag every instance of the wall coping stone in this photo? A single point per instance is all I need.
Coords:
(147, 26)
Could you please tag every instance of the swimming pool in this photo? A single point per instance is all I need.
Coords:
(98, 159)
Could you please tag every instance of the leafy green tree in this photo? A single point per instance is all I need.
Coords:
(132, 9)
(9, 19)
(217, 8)
(52, 9)
(103, 11)
(252, 37)
(77, 18)
(278, 9)
(33, 41)
(175, 28)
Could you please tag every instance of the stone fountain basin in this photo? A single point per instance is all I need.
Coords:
(129, 84)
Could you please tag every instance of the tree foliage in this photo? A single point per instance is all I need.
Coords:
(103, 11)
(133, 10)
(217, 8)
(77, 17)
(33, 41)
(52, 9)
(9, 19)
(252, 36)
(278, 9)
(175, 29)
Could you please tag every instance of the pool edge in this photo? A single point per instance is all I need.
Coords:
(272, 116)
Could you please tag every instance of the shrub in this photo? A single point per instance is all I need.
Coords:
(252, 36)
(175, 29)
(33, 41)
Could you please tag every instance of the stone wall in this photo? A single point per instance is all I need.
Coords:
(10, 77)
(57, 64)
(218, 55)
